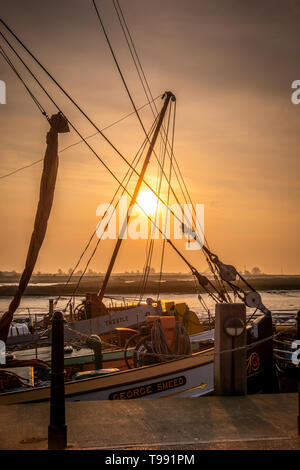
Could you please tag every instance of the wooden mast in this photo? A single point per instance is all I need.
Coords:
(168, 96)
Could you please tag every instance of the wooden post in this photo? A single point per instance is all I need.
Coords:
(230, 374)
(57, 429)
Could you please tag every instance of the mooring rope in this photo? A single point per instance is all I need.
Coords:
(194, 355)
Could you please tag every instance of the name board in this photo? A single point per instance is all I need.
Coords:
(116, 320)
(151, 389)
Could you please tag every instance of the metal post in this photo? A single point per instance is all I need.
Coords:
(298, 337)
(57, 430)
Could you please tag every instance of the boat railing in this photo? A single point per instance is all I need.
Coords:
(30, 316)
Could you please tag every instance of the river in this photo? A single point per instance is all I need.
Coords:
(281, 300)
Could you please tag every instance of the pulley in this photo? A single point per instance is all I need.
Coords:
(203, 281)
(253, 300)
(227, 272)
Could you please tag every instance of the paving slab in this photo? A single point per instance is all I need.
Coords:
(240, 422)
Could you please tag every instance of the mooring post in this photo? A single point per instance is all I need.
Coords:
(57, 429)
(298, 338)
(230, 375)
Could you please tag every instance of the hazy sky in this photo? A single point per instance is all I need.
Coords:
(230, 64)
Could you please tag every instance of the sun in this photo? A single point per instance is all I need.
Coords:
(147, 201)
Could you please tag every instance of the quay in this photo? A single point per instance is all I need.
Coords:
(262, 421)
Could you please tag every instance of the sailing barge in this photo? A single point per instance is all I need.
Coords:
(167, 367)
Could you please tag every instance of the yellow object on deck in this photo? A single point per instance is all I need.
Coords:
(184, 315)
(188, 318)
(168, 306)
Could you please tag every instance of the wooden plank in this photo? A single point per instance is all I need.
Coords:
(230, 367)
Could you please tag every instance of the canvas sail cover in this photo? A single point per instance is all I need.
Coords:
(58, 124)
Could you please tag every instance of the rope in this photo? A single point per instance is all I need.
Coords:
(140, 71)
(55, 104)
(142, 76)
(158, 190)
(76, 130)
(102, 162)
(140, 151)
(84, 336)
(82, 138)
(35, 100)
(205, 249)
(168, 200)
(126, 87)
(79, 141)
(75, 104)
(181, 346)
(118, 66)
(195, 355)
(148, 94)
(81, 110)
(136, 62)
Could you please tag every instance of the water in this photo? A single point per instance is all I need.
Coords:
(275, 301)
(4, 284)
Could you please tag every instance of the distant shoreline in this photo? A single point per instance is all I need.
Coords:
(125, 284)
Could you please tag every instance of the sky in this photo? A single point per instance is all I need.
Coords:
(229, 63)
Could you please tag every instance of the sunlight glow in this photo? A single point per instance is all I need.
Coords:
(148, 201)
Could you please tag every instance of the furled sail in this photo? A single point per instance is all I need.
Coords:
(58, 124)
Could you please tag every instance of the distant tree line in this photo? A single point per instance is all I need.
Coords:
(254, 272)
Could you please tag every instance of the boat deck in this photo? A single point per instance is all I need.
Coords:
(250, 422)
(44, 354)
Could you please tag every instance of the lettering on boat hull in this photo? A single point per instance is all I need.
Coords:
(151, 389)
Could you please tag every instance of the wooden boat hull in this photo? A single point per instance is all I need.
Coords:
(101, 325)
(104, 324)
(187, 377)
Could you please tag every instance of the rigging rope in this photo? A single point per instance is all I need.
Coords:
(213, 258)
(148, 93)
(168, 200)
(70, 123)
(72, 101)
(138, 157)
(79, 108)
(127, 89)
(83, 139)
(35, 100)
(137, 63)
(141, 74)
(158, 190)
(128, 92)
(79, 141)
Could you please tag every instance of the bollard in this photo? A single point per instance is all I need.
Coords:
(230, 367)
(57, 429)
(298, 337)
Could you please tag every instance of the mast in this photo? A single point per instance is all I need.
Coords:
(168, 96)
